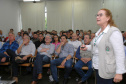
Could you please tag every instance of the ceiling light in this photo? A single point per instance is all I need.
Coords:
(30, 0)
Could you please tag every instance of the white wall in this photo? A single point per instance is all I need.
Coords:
(60, 14)
(33, 15)
(9, 16)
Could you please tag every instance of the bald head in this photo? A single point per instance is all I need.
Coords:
(74, 36)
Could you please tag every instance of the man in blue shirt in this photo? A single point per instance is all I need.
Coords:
(8, 47)
(65, 52)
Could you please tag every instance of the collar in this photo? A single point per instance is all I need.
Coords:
(74, 41)
(105, 30)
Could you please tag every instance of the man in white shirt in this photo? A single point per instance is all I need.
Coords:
(21, 55)
(75, 42)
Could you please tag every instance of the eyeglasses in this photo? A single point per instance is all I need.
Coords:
(99, 15)
(55, 37)
(47, 38)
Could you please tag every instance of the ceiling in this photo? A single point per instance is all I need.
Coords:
(43, 0)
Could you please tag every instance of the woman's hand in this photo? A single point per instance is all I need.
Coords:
(83, 47)
(117, 78)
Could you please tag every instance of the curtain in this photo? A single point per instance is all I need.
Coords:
(59, 15)
(84, 14)
(33, 15)
(118, 9)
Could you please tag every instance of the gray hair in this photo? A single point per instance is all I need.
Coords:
(48, 35)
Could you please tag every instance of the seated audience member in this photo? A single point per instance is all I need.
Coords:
(12, 30)
(68, 35)
(81, 35)
(22, 55)
(9, 46)
(21, 40)
(65, 52)
(77, 32)
(84, 60)
(1, 35)
(0, 39)
(71, 31)
(21, 37)
(44, 55)
(124, 37)
(40, 40)
(56, 41)
(92, 36)
(75, 42)
(89, 32)
(30, 32)
(85, 32)
(64, 33)
(18, 36)
(35, 37)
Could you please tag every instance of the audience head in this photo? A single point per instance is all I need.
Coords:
(89, 32)
(0, 39)
(11, 30)
(124, 35)
(64, 33)
(74, 36)
(85, 32)
(56, 38)
(0, 32)
(81, 33)
(40, 37)
(48, 38)
(71, 31)
(11, 36)
(26, 39)
(61, 33)
(87, 39)
(35, 35)
(25, 33)
(77, 32)
(22, 33)
(22, 30)
(92, 35)
(68, 34)
(104, 17)
(19, 33)
(64, 39)
(29, 30)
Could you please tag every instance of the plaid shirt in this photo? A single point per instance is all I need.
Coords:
(14, 46)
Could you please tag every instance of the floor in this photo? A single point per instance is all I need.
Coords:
(5, 73)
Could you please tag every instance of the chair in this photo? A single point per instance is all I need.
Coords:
(30, 62)
(25, 64)
(62, 67)
(6, 64)
(84, 68)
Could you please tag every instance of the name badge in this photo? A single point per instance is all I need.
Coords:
(107, 48)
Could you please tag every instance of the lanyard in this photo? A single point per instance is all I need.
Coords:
(98, 38)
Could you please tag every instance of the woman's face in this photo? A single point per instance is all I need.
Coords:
(102, 19)
(55, 38)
